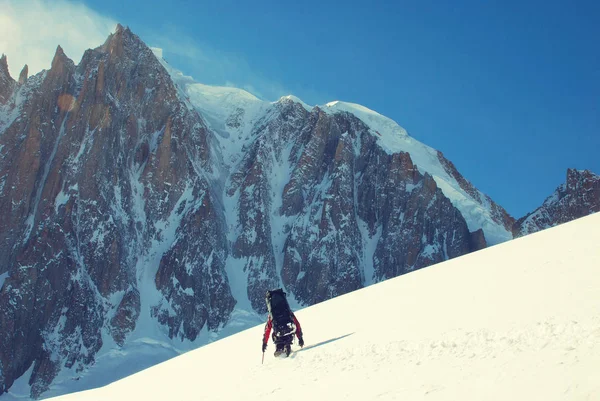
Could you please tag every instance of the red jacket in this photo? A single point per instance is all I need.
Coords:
(269, 326)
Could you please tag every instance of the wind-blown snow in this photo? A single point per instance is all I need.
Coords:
(388, 131)
(518, 321)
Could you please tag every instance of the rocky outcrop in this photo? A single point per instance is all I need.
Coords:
(578, 197)
(23, 75)
(7, 84)
(106, 190)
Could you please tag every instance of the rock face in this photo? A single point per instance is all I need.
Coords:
(7, 84)
(578, 197)
(133, 200)
(23, 75)
(105, 189)
(322, 207)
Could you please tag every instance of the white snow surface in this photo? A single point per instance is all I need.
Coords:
(519, 321)
(220, 104)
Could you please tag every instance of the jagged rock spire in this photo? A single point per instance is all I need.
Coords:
(4, 64)
(59, 54)
(6, 82)
(23, 75)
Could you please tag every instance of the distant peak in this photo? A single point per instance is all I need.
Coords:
(352, 107)
(60, 59)
(295, 99)
(59, 54)
(574, 171)
(575, 176)
(4, 62)
(122, 30)
(119, 40)
(24, 74)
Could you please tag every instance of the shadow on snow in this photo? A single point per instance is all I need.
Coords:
(324, 342)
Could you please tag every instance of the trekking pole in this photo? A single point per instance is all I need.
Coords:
(263, 358)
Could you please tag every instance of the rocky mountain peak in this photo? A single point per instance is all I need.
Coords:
(580, 179)
(60, 61)
(61, 69)
(4, 64)
(6, 82)
(23, 75)
(122, 41)
(579, 196)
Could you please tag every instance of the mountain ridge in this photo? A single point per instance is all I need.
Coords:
(579, 196)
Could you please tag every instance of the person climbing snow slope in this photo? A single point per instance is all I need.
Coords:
(283, 322)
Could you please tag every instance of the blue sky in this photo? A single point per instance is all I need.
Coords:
(508, 90)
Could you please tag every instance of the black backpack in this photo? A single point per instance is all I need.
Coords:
(279, 311)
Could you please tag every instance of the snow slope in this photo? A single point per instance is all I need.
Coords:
(519, 321)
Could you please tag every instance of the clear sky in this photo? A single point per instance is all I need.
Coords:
(508, 90)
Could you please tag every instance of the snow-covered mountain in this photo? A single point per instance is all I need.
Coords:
(579, 196)
(508, 323)
(335, 194)
(111, 225)
(237, 116)
(145, 214)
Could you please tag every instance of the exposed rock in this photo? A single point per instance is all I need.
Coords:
(103, 181)
(3, 64)
(578, 197)
(23, 75)
(7, 84)
(477, 241)
(126, 315)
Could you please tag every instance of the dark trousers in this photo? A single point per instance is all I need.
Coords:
(281, 343)
(283, 340)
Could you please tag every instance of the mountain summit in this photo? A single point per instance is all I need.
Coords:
(579, 196)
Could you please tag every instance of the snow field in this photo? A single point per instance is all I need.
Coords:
(517, 321)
